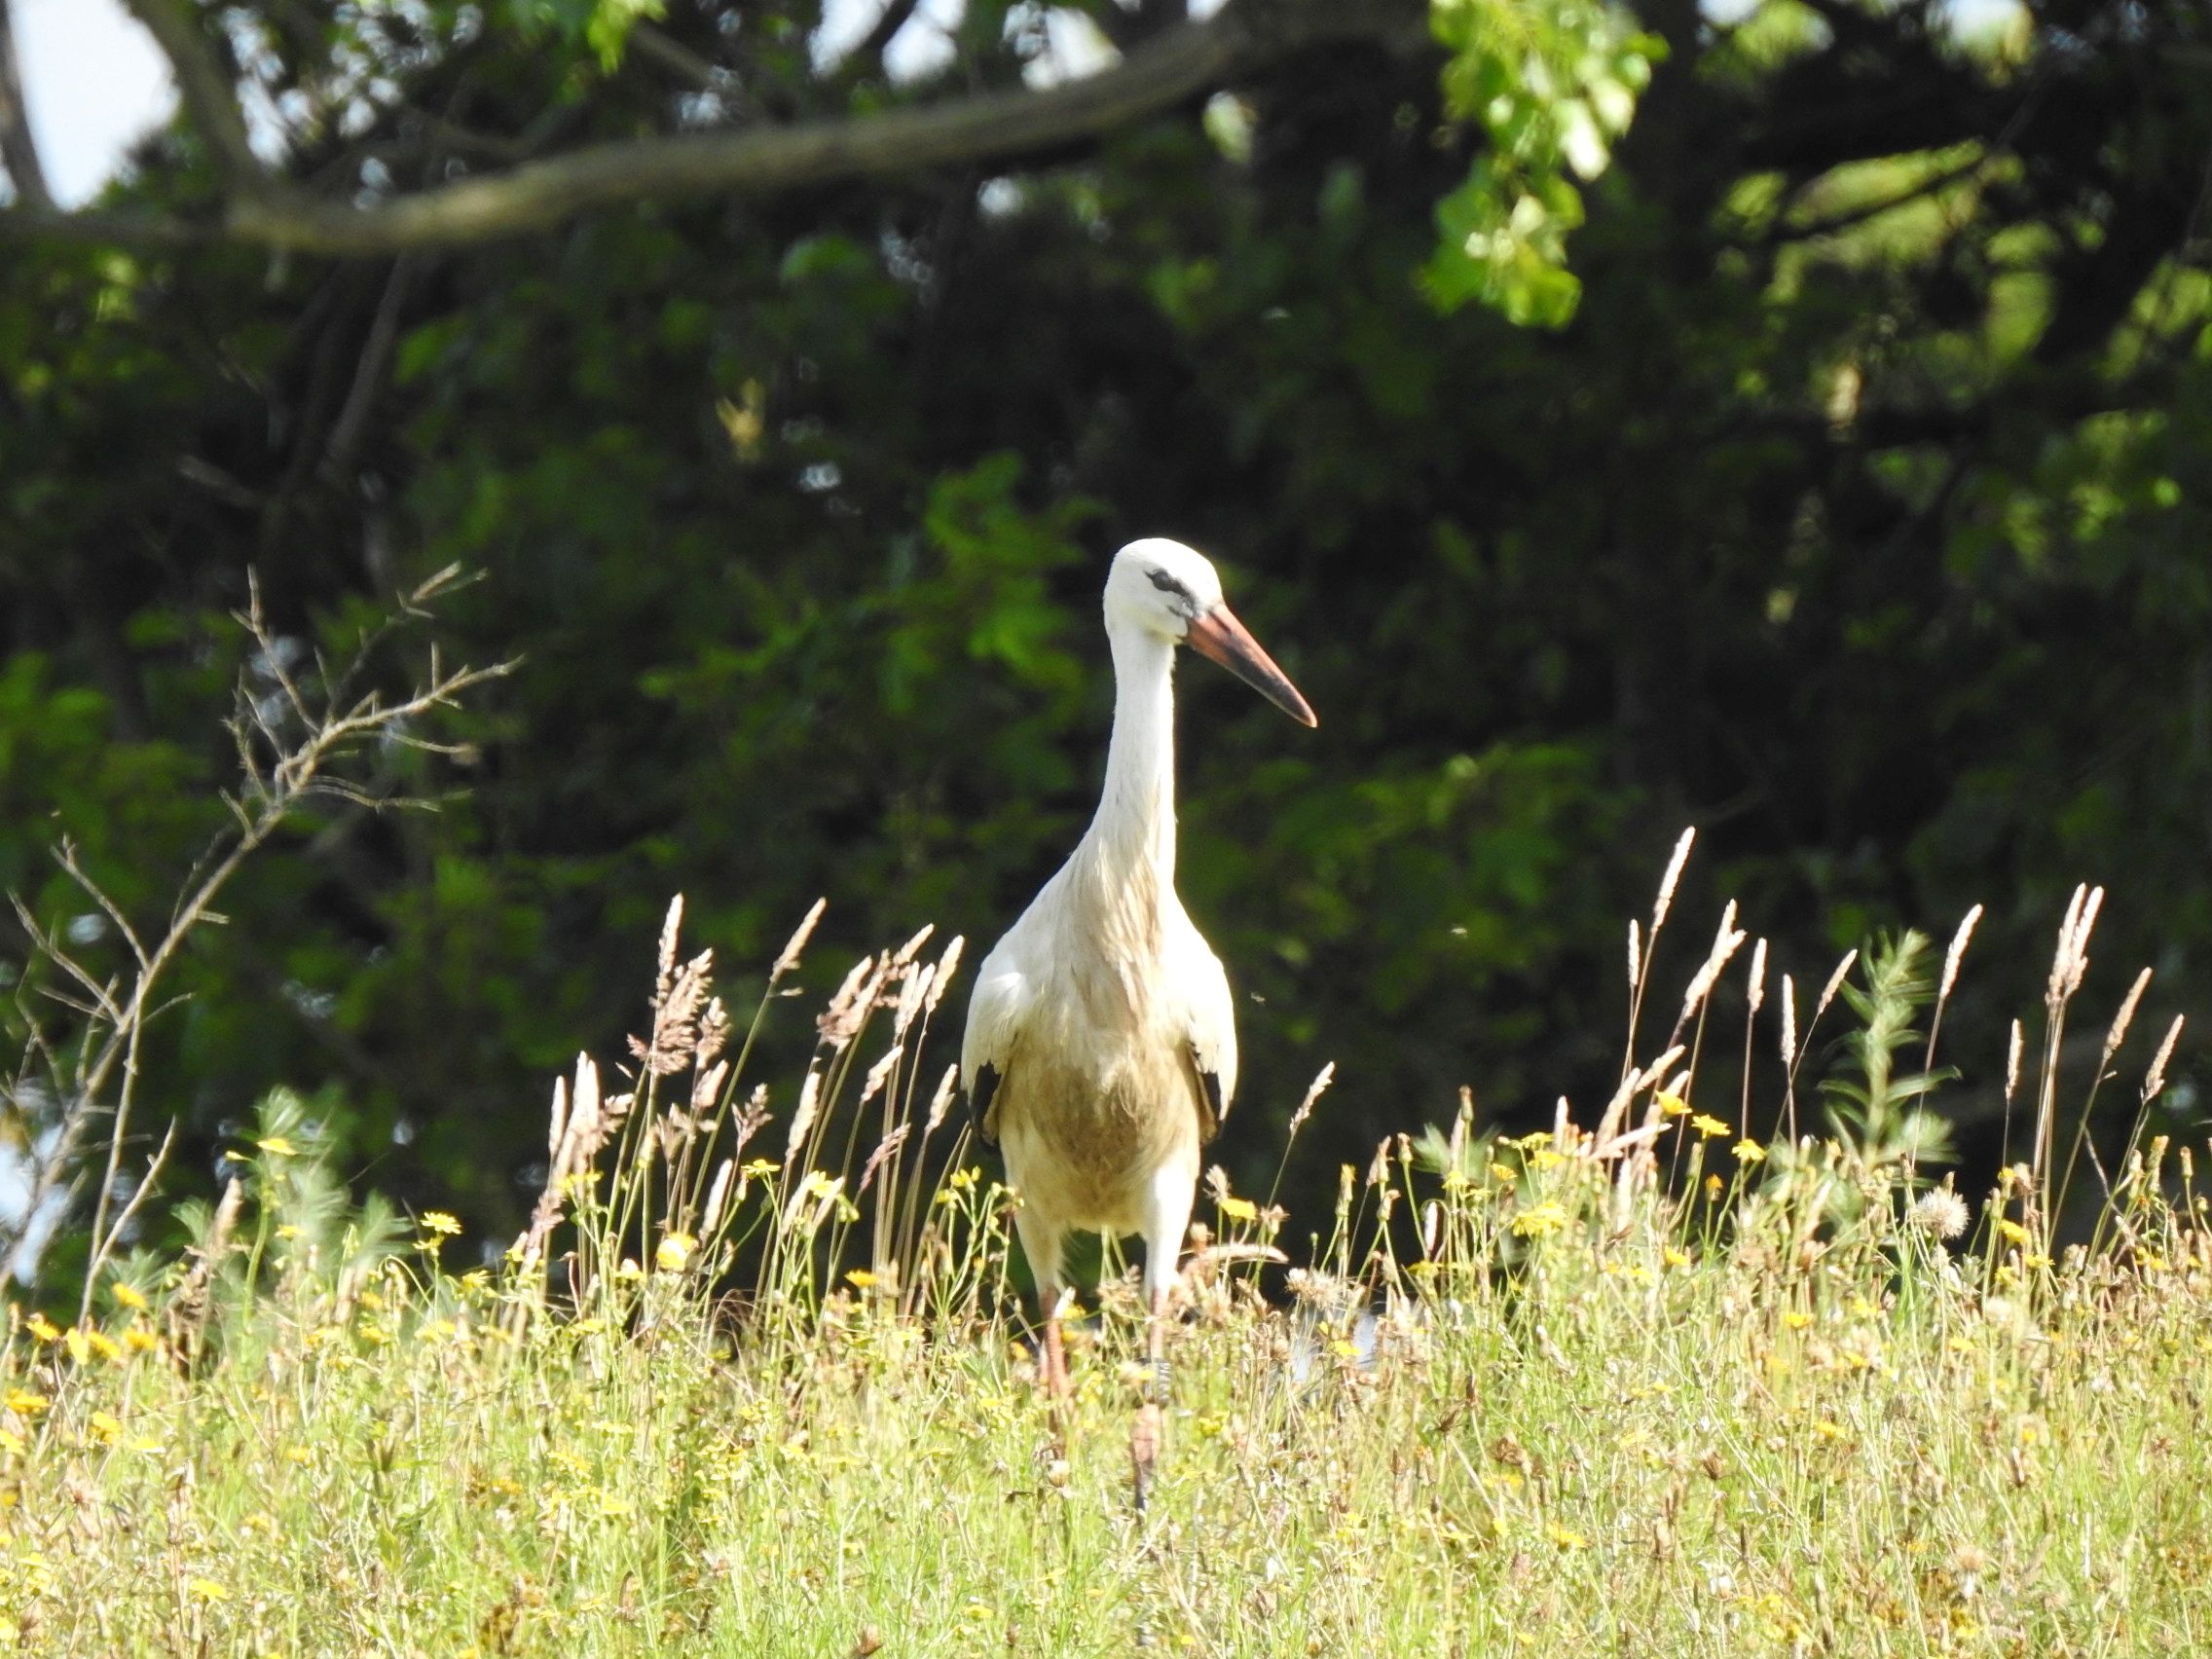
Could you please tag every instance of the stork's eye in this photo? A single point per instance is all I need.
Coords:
(1167, 584)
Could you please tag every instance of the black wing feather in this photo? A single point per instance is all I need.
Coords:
(1209, 1088)
(979, 1101)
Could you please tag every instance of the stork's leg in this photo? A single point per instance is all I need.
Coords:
(1042, 1244)
(1168, 1218)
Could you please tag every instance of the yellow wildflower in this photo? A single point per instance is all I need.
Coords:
(674, 1251)
(1708, 1125)
(1502, 1172)
(276, 1145)
(139, 1340)
(105, 1346)
(1674, 1258)
(129, 1296)
(758, 1169)
(1565, 1538)
(79, 1345)
(207, 1590)
(1538, 1223)
(1672, 1105)
(439, 1221)
(860, 1279)
(1795, 1320)
(2013, 1233)
(10, 1442)
(1748, 1150)
(1239, 1209)
(106, 1426)
(43, 1328)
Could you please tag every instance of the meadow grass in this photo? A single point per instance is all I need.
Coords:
(1646, 1388)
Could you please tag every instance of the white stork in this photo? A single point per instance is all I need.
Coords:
(1101, 1043)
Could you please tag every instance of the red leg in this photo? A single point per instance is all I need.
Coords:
(1150, 1428)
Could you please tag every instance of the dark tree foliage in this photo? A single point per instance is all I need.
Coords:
(1859, 516)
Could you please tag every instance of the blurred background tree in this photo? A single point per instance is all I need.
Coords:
(1847, 498)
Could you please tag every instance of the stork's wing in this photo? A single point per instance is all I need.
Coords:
(1210, 1018)
(996, 1013)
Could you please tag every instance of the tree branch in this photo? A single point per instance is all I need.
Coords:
(1183, 62)
(670, 54)
(18, 153)
(202, 84)
(894, 16)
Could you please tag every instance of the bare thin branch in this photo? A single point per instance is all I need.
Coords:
(18, 151)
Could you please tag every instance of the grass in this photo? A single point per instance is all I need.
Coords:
(1655, 1390)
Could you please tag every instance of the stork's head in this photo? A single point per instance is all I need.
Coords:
(1171, 592)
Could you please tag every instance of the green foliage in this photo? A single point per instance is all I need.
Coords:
(1856, 516)
(1552, 85)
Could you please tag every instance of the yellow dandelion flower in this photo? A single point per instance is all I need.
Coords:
(1503, 1173)
(206, 1591)
(1566, 1538)
(2013, 1233)
(127, 1296)
(1795, 1320)
(1674, 1258)
(103, 1345)
(1708, 1125)
(1239, 1209)
(299, 1455)
(10, 1442)
(440, 1223)
(860, 1279)
(758, 1169)
(276, 1145)
(1546, 1158)
(674, 1252)
(106, 1426)
(1672, 1105)
(1344, 1349)
(1534, 1140)
(1712, 1187)
(43, 1328)
(79, 1345)
(1748, 1150)
(139, 1340)
(287, 1231)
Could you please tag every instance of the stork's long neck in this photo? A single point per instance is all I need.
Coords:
(1131, 842)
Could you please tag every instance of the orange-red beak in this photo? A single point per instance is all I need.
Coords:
(1217, 634)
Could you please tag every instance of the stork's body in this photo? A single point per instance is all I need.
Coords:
(1101, 1043)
